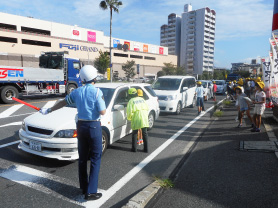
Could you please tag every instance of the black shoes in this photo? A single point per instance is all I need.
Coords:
(95, 196)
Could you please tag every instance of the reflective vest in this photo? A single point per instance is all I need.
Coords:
(137, 112)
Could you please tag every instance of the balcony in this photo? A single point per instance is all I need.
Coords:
(190, 44)
(190, 64)
(191, 34)
(190, 59)
(190, 49)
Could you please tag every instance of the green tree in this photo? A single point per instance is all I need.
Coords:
(102, 62)
(161, 73)
(180, 70)
(112, 5)
(129, 69)
(171, 69)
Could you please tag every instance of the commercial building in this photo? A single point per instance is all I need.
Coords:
(253, 68)
(195, 37)
(22, 39)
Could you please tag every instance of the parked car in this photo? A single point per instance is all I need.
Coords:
(208, 89)
(175, 92)
(141, 80)
(221, 86)
(54, 135)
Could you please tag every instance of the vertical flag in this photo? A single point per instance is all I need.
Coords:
(274, 72)
(266, 65)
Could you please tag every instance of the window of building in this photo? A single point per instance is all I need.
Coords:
(121, 55)
(149, 58)
(36, 31)
(7, 26)
(8, 39)
(136, 56)
(36, 42)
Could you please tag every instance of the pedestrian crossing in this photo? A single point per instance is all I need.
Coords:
(50, 184)
(21, 109)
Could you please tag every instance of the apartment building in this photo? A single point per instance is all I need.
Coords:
(194, 39)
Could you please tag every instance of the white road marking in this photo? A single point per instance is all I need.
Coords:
(8, 144)
(7, 113)
(49, 104)
(10, 111)
(127, 177)
(44, 182)
(12, 124)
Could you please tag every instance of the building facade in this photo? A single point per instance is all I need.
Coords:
(22, 39)
(170, 34)
(195, 37)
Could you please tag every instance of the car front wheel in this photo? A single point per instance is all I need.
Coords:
(178, 111)
(151, 120)
(104, 141)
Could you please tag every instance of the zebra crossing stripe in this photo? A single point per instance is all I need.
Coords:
(49, 104)
(58, 187)
(10, 111)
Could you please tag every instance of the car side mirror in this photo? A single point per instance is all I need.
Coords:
(118, 107)
(184, 88)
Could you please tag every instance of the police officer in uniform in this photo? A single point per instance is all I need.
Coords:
(90, 105)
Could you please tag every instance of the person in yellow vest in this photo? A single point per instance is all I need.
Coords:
(137, 112)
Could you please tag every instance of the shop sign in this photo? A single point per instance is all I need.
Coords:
(78, 47)
(91, 36)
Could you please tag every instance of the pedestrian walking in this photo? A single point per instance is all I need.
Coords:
(199, 92)
(229, 90)
(90, 105)
(243, 106)
(247, 87)
(252, 86)
(137, 112)
(214, 90)
(260, 99)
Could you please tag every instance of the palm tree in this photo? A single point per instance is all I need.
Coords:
(113, 5)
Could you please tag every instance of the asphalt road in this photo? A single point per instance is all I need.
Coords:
(27, 180)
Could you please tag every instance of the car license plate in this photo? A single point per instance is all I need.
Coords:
(35, 146)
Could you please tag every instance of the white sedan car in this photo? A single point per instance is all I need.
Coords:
(54, 135)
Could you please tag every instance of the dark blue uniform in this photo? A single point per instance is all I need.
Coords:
(89, 103)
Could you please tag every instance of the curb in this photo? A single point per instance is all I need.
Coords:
(270, 133)
(141, 199)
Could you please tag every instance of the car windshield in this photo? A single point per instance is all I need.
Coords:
(166, 84)
(219, 82)
(107, 95)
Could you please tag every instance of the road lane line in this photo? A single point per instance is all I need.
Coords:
(56, 186)
(8, 144)
(10, 111)
(127, 177)
(12, 124)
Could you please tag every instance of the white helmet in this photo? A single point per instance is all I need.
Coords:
(88, 73)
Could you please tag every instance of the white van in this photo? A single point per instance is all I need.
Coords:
(175, 92)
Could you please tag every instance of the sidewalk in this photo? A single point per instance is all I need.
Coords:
(218, 174)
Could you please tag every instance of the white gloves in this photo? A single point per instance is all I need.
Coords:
(45, 111)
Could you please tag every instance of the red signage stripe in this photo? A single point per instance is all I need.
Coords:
(11, 69)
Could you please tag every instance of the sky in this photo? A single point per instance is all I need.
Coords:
(243, 27)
